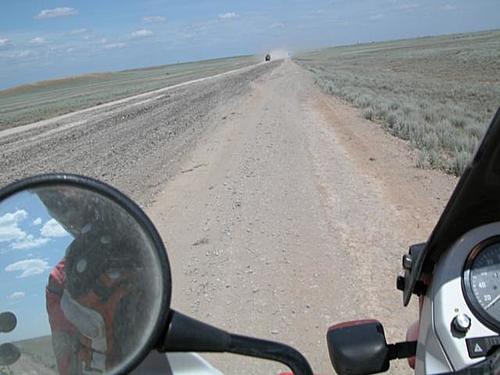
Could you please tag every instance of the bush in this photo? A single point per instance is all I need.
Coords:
(422, 161)
(391, 119)
(459, 162)
(423, 94)
(368, 114)
(430, 141)
(434, 159)
(363, 101)
(458, 122)
(475, 130)
(394, 106)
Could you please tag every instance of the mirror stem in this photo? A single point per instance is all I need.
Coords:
(274, 351)
(186, 334)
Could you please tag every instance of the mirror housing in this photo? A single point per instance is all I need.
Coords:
(98, 257)
(358, 347)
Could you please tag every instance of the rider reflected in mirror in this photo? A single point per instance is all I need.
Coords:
(84, 277)
(92, 299)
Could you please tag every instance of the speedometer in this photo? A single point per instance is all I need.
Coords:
(481, 281)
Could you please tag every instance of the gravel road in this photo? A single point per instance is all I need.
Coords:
(282, 209)
(135, 145)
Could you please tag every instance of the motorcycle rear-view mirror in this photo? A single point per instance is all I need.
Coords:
(85, 277)
(88, 282)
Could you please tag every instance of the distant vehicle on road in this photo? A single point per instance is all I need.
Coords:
(268, 57)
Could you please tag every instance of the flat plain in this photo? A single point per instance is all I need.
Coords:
(438, 93)
(284, 209)
(42, 100)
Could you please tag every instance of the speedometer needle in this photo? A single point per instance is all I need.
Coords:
(492, 302)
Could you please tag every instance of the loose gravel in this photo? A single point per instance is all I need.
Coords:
(136, 147)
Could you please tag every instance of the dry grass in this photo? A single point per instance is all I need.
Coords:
(439, 93)
(41, 100)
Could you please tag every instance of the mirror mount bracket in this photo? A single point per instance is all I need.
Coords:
(186, 334)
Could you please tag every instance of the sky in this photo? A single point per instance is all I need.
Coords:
(47, 39)
(31, 244)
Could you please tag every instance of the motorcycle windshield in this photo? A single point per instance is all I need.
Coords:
(474, 202)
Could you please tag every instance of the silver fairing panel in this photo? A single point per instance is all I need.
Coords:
(440, 349)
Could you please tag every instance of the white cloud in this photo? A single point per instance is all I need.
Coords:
(448, 7)
(142, 33)
(228, 15)
(19, 239)
(38, 40)
(17, 295)
(114, 45)
(53, 229)
(153, 19)
(11, 233)
(19, 54)
(409, 6)
(28, 267)
(10, 218)
(277, 25)
(9, 230)
(377, 16)
(29, 242)
(79, 31)
(56, 12)
(4, 42)
(23, 53)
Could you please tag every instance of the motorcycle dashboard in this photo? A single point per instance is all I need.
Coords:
(481, 282)
(466, 282)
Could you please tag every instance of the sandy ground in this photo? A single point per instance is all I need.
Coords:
(292, 215)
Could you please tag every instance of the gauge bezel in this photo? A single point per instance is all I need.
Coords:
(470, 298)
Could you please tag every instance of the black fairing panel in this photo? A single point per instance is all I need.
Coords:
(474, 202)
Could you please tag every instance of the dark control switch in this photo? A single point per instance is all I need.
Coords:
(476, 348)
(479, 347)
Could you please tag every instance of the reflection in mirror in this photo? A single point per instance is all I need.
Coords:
(82, 279)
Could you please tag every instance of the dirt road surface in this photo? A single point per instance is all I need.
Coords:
(282, 209)
(292, 215)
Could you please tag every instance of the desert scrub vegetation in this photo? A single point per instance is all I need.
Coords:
(41, 100)
(438, 93)
(5, 370)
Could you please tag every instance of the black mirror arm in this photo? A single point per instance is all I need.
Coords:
(186, 334)
(271, 350)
